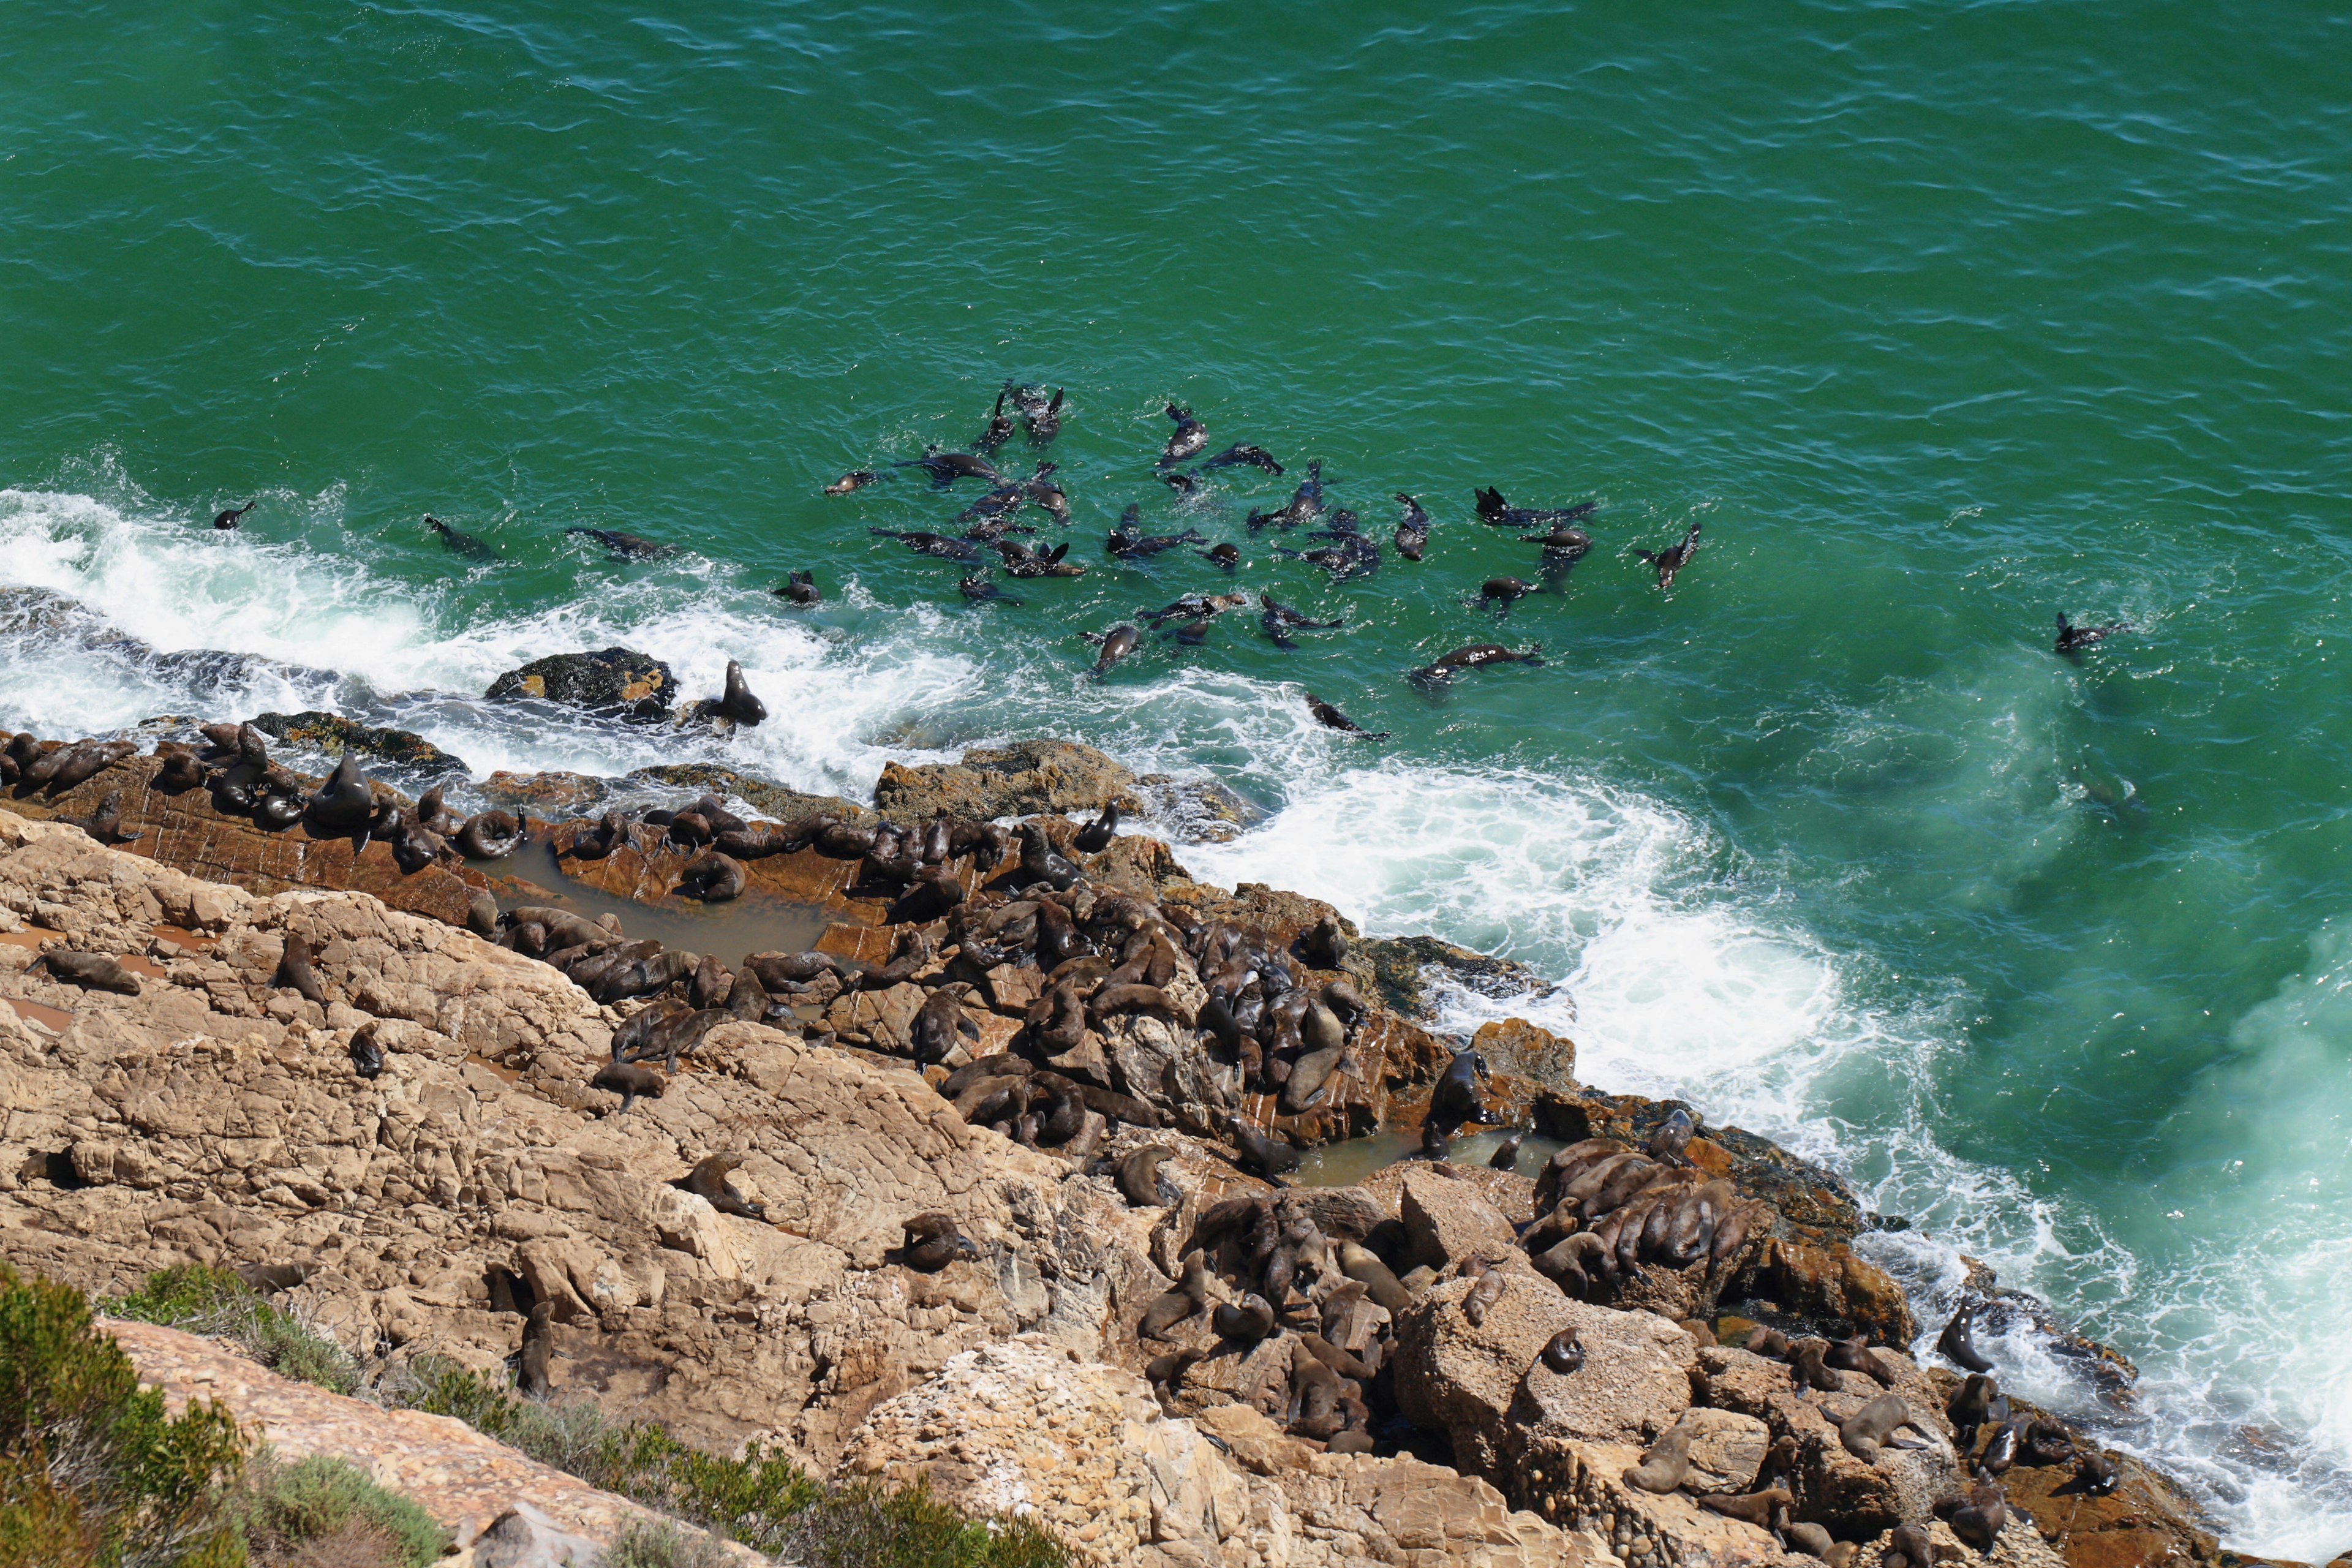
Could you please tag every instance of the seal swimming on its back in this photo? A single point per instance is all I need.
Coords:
(1673, 558)
(799, 588)
(1186, 440)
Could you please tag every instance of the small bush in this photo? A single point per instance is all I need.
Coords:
(92, 1468)
(285, 1508)
(760, 1499)
(215, 1302)
(646, 1544)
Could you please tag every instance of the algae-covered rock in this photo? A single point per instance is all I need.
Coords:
(1026, 777)
(618, 681)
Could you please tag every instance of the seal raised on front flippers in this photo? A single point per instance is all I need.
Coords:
(538, 1348)
(709, 1179)
(1505, 1156)
(1958, 1341)
(1664, 1463)
(1456, 1099)
(1979, 1519)
(294, 971)
(1172, 1307)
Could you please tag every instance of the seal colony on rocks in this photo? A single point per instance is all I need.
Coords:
(1151, 1055)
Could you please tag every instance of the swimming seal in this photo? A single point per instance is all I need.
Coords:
(1186, 440)
(1958, 1343)
(1673, 558)
(538, 1346)
(709, 1179)
(1237, 455)
(1505, 1156)
(1477, 656)
(628, 1080)
(856, 480)
(947, 467)
(1494, 509)
(1664, 1463)
(1306, 503)
(1227, 556)
(1042, 414)
(623, 546)
(923, 542)
(235, 515)
(1020, 561)
(1096, 836)
(1413, 529)
(1330, 718)
(1280, 619)
(294, 971)
(980, 588)
(91, 971)
(999, 430)
(2073, 638)
(1138, 1176)
(933, 1242)
(457, 540)
(1502, 592)
(1116, 645)
(799, 590)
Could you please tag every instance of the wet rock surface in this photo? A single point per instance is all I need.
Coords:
(1020, 780)
(617, 681)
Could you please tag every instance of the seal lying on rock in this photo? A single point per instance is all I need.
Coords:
(92, 971)
(1873, 1427)
(628, 1080)
(709, 1179)
(1139, 1181)
(1664, 1463)
(1172, 1307)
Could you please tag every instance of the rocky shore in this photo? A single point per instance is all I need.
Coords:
(986, 1185)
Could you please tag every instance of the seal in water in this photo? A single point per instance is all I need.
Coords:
(1673, 558)
(458, 541)
(923, 542)
(1096, 836)
(980, 588)
(709, 1179)
(1494, 509)
(1116, 645)
(1304, 505)
(999, 431)
(1502, 592)
(1227, 555)
(1238, 456)
(856, 480)
(1021, 561)
(1477, 656)
(2073, 638)
(799, 588)
(623, 546)
(1186, 440)
(1043, 416)
(933, 1242)
(947, 467)
(1269, 1157)
(1505, 1156)
(235, 515)
(1413, 529)
(1279, 620)
(1958, 1341)
(1330, 718)
(739, 704)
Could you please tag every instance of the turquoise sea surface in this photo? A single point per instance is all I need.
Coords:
(1941, 320)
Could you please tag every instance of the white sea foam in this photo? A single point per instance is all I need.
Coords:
(1685, 973)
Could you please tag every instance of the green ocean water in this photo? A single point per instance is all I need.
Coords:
(1941, 320)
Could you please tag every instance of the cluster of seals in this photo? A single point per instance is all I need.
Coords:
(49, 768)
(1610, 1208)
(1260, 1267)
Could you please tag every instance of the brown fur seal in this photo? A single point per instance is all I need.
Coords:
(1957, 1343)
(1571, 1263)
(628, 1080)
(269, 1278)
(933, 1242)
(1172, 1307)
(709, 1179)
(1360, 1262)
(1806, 1369)
(1873, 1427)
(934, 1031)
(1755, 1507)
(1809, 1538)
(92, 971)
(105, 824)
(1269, 1157)
(714, 877)
(1664, 1463)
(1673, 558)
(1138, 1176)
(1245, 1321)
(1979, 1519)
(1483, 1296)
(1855, 1355)
(1505, 1156)
(1563, 1353)
(538, 1346)
(294, 971)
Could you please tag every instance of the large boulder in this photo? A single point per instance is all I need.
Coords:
(618, 681)
(775, 801)
(1516, 1047)
(1018, 780)
(336, 735)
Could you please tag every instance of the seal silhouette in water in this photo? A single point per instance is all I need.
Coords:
(2073, 638)
(1673, 558)
(1494, 509)
(999, 431)
(923, 542)
(800, 588)
(1502, 593)
(1412, 529)
(980, 588)
(623, 546)
(235, 515)
(1186, 440)
(856, 480)
(1237, 455)
(459, 541)
(1330, 718)
(1477, 656)
(947, 467)
(1279, 620)
(1116, 645)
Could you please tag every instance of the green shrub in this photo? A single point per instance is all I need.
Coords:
(215, 1302)
(647, 1543)
(284, 1506)
(760, 1499)
(93, 1470)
